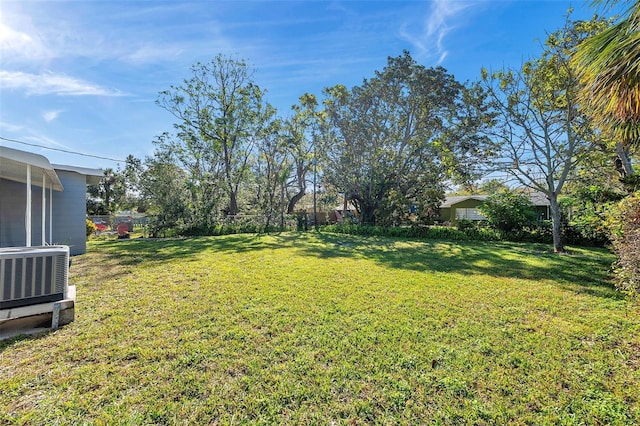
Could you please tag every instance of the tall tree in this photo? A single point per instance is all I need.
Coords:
(220, 111)
(117, 189)
(130, 173)
(202, 171)
(163, 185)
(303, 133)
(110, 193)
(396, 138)
(272, 168)
(541, 131)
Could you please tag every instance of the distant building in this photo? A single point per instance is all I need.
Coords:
(465, 207)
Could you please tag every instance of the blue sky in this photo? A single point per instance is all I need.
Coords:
(84, 75)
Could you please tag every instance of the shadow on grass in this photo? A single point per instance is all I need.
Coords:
(14, 340)
(162, 250)
(584, 271)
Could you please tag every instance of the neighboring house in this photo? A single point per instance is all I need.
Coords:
(42, 222)
(461, 207)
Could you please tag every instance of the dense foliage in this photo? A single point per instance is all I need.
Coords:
(118, 189)
(608, 67)
(625, 232)
(540, 232)
(398, 137)
(587, 205)
(164, 184)
(389, 147)
(221, 118)
(508, 211)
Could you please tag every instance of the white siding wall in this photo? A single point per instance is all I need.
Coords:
(469, 214)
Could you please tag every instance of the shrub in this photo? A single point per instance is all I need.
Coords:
(477, 231)
(585, 234)
(465, 224)
(508, 211)
(624, 223)
(90, 227)
(541, 232)
(417, 232)
(246, 225)
(589, 206)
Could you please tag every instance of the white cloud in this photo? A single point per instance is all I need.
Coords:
(12, 39)
(151, 54)
(30, 40)
(39, 139)
(440, 20)
(52, 84)
(10, 127)
(29, 135)
(15, 43)
(49, 116)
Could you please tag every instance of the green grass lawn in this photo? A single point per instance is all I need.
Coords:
(322, 329)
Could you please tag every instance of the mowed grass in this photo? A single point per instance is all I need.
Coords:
(331, 329)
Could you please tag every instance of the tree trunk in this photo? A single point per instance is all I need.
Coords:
(294, 200)
(558, 246)
(625, 166)
(233, 203)
(301, 174)
(368, 213)
(281, 204)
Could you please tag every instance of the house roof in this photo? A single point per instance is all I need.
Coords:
(538, 199)
(13, 164)
(455, 199)
(93, 175)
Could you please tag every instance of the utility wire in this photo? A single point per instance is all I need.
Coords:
(63, 150)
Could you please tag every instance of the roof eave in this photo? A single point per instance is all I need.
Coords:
(13, 166)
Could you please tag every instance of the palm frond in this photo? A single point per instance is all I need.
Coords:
(608, 65)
